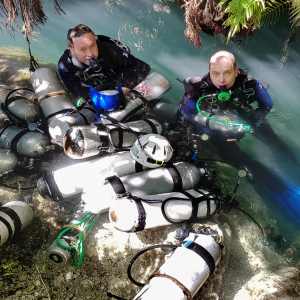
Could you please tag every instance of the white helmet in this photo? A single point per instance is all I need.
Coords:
(151, 150)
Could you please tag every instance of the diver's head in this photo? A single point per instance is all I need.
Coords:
(223, 69)
(82, 43)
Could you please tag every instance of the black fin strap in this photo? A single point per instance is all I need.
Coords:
(16, 139)
(141, 215)
(152, 125)
(55, 192)
(207, 257)
(14, 217)
(177, 180)
(116, 184)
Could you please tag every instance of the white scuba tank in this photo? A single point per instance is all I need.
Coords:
(51, 94)
(59, 126)
(131, 215)
(68, 181)
(18, 106)
(84, 141)
(14, 217)
(24, 142)
(152, 88)
(8, 161)
(183, 274)
(99, 196)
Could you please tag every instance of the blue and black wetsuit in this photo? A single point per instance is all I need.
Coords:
(118, 68)
(239, 103)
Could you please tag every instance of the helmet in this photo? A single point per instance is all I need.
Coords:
(151, 150)
(105, 100)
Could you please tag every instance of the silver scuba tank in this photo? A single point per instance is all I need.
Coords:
(183, 274)
(129, 216)
(59, 126)
(99, 196)
(24, 142)
(51, 94)
(152, 88)
(18, 107)
(163, 111)
(85, 141)
(8, 161)
(14, 217)
(68, 181)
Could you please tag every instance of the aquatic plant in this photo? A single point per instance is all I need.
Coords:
(31, 11)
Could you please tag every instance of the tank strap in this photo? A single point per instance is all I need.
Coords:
(184, 289)
(55, 192)
(4, 128)
(59, 112)
(14, 217)
(177, 180)
(141, 216)
(116, 184)
(152, 125)
(9, 229)
(207, 120)
(207, 257)
(138, 167)
(16, 139)
(84, 118)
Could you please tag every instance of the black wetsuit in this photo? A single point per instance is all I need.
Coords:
(118, 68)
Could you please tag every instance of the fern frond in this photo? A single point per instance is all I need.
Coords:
(295, 14)
(273, 10)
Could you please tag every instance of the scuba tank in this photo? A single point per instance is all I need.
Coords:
(131, 214)
(152, 88)
(183, 274)
(18, 108)
(52, 97)
(68, 181)
(163, 111)
(14, 217)
(85, 141)
(59, 126)
(99, 196)
(24, 141)
(8, 161)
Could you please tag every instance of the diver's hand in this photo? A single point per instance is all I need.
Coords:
(125, 90)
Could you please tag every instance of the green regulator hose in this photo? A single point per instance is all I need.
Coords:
(85, 224)
(221, 98)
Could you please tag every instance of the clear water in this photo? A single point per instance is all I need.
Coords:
(154, 32)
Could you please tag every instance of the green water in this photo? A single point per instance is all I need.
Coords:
(154, 32)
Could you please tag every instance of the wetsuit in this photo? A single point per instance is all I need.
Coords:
(239, 103)
(118, 68)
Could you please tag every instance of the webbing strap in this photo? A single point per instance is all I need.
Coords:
(16, 139)
(138, 167)
(9, 229)
(207, 121)
(84, 118)
(140, 96)
(184, 289)
(204, 254)
(177, 180)
(56, 195)
(116, 184)
(141, 216)
(14, 217)
(152, 125)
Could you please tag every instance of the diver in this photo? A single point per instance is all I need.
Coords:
(98, 61)
(213, 103)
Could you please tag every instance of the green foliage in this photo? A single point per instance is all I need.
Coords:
(295, 14)
(242, 13)
(273, 10)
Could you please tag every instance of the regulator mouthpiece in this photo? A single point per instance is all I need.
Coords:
(95, 65)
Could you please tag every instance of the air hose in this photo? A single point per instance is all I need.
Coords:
(221, 97)
(83, 226)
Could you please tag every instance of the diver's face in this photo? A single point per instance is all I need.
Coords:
(222, 72)
(85, 48)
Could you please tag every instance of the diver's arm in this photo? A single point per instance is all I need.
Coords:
(264, 101)
(72, 82)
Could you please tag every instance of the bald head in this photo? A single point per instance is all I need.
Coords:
(223, 69)
(222, 55)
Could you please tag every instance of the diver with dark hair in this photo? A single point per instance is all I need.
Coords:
(98, 61)
(218, 107)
